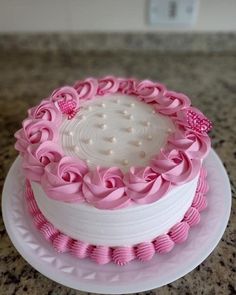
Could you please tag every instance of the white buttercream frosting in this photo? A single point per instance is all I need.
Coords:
(120, 227)
(107, 133)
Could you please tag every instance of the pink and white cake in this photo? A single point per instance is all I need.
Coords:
(113, 168)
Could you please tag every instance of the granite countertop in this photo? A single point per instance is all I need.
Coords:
(209, 79)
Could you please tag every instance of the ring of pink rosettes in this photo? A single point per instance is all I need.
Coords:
(69, 179)
(121, 255)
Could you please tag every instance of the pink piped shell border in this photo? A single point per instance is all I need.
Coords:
(121, 255)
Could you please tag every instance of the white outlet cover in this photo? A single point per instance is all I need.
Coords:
(173, 12)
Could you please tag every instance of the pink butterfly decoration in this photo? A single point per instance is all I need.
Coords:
(198, 122)
(68, 108)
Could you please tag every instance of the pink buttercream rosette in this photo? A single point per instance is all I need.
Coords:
(87, 88)
(35, 131)
(149, 91)
(145, 186)
(171, 102)
(63, 180)
(195, 145)
(46, 110)
(127, 86)
(38, 156)
(107, 85)
(104, 188)
(176, 166)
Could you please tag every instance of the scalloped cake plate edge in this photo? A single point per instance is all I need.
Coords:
(111, 279)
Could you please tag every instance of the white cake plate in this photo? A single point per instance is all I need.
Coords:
(87, 276)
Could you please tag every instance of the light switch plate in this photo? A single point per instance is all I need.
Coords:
(173, 12)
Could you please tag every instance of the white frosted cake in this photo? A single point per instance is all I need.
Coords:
(113, 168)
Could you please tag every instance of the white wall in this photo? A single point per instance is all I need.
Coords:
(103, 16)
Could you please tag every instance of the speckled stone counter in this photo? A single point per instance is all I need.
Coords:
(209, 79)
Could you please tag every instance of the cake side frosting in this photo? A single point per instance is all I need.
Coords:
(121, 255)
(126, 226)
(70, 179)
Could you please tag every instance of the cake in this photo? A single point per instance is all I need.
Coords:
(114, 168)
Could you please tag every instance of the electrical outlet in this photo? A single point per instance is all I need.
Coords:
(173, 12)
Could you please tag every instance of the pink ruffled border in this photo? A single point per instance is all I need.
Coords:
(121, 255)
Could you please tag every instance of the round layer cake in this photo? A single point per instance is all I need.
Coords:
(113, 168)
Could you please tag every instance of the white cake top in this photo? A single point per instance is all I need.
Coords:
(115, 130)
